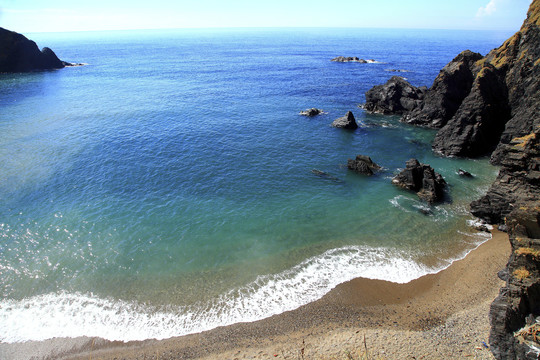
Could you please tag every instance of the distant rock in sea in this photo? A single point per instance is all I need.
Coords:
(18, 54)
(422, 179)
(346, 122)
(355, 59)
(363, 164)
(311, 112)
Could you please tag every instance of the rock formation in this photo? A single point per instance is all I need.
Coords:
(363, 165)
(448, 91)
(350, 59)
(518, 179)
(311, 112)
(422, 179)
(20, 54)
(346, 122)
(397, 96)
(491, 105)
(481, 103)
(518, 305)
(464, 173)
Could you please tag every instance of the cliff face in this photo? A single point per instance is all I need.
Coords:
(491, 105)
(18, 54)
(514, 314)
(479, 103)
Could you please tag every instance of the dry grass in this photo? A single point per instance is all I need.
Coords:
(521, 273)
(528, 251)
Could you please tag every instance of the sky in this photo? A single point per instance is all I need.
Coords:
(27, 16)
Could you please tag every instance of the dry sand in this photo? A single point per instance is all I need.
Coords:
(439, 316)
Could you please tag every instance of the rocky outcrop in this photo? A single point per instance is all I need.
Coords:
(20, 54)
(352, 59)
(464, 173)
(481, 103)
(422, 179)
(397, 96)
(518, 180)
(363, 164)
(346, 122)
(518, 305)
(448, 91)
(477, 125)
(311, 112)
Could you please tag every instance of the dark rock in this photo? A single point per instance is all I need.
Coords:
(476, 127)
(464, 173)
(349, 59)
(311, 112)
(448, 91)
(346, 122)
(363, 165)
(514, 183)
(422, 179)
(519, 299)
(397, 96)
(325, 175)
(20, 54)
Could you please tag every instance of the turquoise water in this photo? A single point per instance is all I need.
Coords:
(167, 188)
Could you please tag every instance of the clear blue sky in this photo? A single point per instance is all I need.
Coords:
(76, 15)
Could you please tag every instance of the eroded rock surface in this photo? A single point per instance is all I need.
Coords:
(397, 96)
(422, 179)
(346, 122)
(363, 164)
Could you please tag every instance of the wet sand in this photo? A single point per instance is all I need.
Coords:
(438, 316)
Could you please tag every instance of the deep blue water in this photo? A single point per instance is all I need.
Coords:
(166, 187)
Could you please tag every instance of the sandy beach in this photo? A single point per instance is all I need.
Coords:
(438, 316)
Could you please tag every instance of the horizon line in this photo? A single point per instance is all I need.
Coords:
(264, 28)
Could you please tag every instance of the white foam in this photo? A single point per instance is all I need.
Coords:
(73, 315)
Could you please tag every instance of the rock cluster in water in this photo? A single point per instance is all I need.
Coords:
(311, 112)
(363, 164)
(352, 59)
(491, 105)
(18, 54)
(422, 179)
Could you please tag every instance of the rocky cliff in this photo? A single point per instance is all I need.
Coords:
(18, 54)
(491, 106)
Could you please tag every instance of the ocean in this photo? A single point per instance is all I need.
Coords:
(167, 186)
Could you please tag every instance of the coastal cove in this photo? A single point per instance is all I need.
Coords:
(169, 187)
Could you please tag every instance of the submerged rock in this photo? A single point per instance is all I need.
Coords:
(18, 54)
(397, 96)
(346, 122)
(422, 179)
(363, 165)
(325, 175)
(311, 112)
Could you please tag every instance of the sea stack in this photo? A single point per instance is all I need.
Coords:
(346, 122)
(423, 180)
(20, 54)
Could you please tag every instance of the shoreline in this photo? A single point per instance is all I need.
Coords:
(423, 317)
